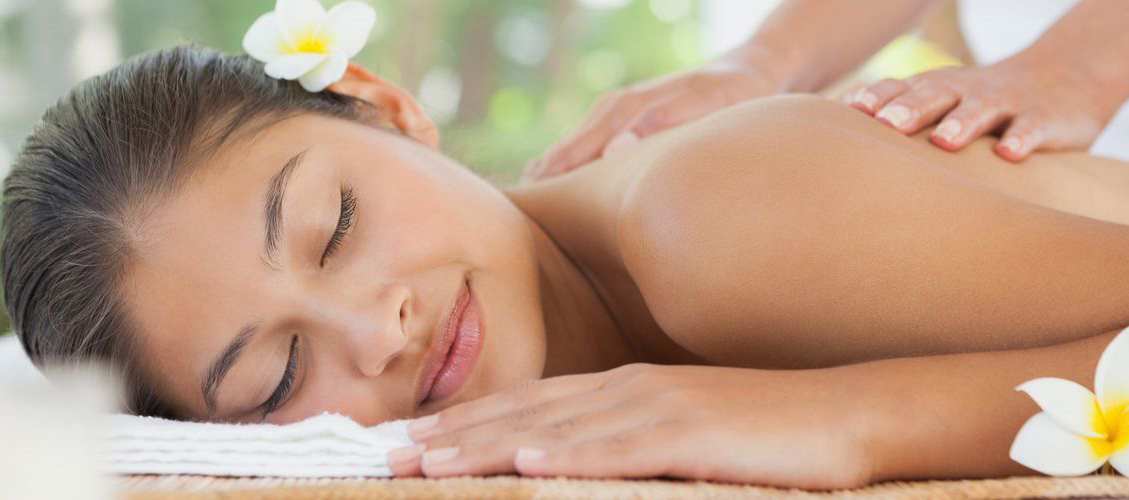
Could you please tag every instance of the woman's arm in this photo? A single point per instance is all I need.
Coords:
(956, 415)
(825, 238)
(949, 416)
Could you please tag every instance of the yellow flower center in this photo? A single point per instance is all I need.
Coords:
(311, 44)
(1115, 440)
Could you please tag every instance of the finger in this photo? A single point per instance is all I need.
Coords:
(497, 455)
(918, 108)
(526, 419)
(972, 118)
(1023, 136)
(851, 93)
(873, 97)
(405, 461)
(607, 118)
(525, 394)
(646, 452)
(666, 113)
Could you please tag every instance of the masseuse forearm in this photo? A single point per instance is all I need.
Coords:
(956, 415)
(1092, 41)
(807, 44)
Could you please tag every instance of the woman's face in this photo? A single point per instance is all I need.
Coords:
(360, 321)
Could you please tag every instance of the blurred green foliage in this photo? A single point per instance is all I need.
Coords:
(526, 70)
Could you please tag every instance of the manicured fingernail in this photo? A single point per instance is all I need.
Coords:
(440, 455)
(623, 140)
(1012, 144)
(405, 454)
(868, 100)
(897, 115)
(422, 426)
(529, 454)
(947, 130)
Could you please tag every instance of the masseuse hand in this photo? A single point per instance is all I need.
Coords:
(787, 428)
(1034, 105)
(622, 117)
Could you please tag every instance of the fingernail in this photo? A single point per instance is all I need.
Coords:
(1012, 144)
(897, 115)
(440, 455)
(405, 454)
(420, 426)
(529, 454)
(947, 130)
(868, 100)
(623, 140)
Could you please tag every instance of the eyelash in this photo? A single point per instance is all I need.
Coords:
(279, 395)
(344, 222)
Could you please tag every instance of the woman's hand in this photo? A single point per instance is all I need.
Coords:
(1033, 104)
(787, 428)
(624, 116)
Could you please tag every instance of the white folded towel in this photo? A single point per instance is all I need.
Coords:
(327, 445)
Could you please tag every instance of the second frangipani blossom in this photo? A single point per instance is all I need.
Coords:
(300, 40)
(1079, 431)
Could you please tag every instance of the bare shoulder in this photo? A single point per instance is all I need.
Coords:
(697, 227)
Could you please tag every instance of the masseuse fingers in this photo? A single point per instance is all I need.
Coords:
(971, 119)
(526, 394)
(919, 107)
(493, 456)
(873, 97)
(1023, 136)
(608, 116)
(662, 114)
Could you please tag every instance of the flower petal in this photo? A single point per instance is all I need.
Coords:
(345, 28)
(292, 66)
(1047, 447)
(1120, 446)
(1111, 379)
(1069, 403)
(298, 19)
(264, 40)
(329, 71)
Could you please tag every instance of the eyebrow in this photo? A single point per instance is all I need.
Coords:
(223, 364)
(272, 215)
(272, 207)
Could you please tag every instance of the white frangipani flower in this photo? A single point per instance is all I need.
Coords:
(1077, 432)
(300, 40)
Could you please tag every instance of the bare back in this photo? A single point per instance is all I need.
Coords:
(794, 232)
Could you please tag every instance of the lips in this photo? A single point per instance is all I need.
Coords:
(452, 354)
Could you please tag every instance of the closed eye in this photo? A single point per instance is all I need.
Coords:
(278, 397)
(344, 223)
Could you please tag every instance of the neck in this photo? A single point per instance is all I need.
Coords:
(581, 334)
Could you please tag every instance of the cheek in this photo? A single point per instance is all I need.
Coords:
(365, 400)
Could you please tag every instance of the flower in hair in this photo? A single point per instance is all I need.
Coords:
(300, 40)
(1078, 431)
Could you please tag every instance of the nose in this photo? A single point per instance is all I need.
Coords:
(374, 331)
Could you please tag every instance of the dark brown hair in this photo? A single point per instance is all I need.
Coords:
(97, 162)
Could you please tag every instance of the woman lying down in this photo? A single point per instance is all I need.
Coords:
(786, 292)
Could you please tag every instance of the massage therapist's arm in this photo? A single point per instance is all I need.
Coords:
(1057, 94)
(801, 47)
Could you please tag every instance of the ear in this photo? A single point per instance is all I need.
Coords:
(396, 106)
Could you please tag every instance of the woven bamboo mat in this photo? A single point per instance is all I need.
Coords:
(198, 487)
